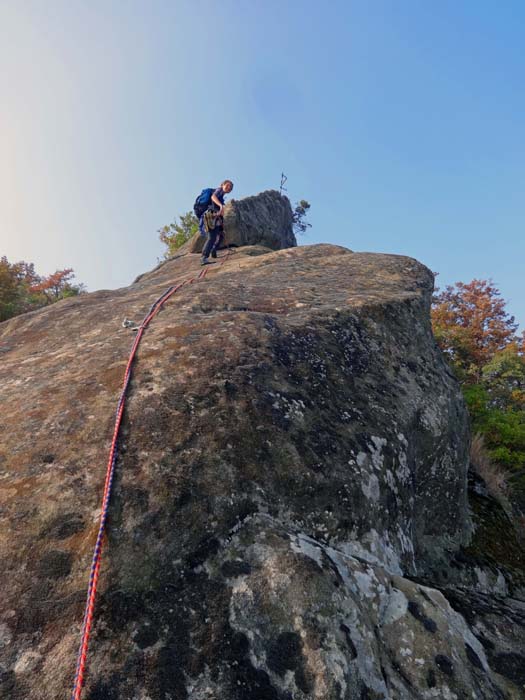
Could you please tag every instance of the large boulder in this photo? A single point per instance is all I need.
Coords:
(294, 452)
(264, 219)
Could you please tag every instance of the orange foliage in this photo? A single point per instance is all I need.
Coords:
(22, 289)
(53, 286)
(471, 324)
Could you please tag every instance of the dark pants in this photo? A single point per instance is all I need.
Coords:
(215, 237)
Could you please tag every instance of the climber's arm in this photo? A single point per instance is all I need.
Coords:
(217, 201)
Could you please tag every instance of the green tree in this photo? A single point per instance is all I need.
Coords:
(504, 379)
(9, 290)
(472, 326)
(174, 235)
(502, 428)
(299, 217)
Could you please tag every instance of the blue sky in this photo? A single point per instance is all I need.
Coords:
(401, 121)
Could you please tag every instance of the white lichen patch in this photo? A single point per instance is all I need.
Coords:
(292, 409)
(403, 470)
(374, 548)
(500, 586)
(361, 459)
(406, 543)
(302, 544)
(376, 451)
(431, 416)
(391, 482)
(364, 642)
(366, 582)
(488, 582)
(370, 488)
(396, 606)
(345, 416)
(337, 664)
(441, 693)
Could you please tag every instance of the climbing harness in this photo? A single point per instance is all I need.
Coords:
(97, 553)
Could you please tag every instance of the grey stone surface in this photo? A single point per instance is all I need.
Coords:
(294, 455)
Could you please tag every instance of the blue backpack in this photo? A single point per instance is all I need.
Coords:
(203, 201)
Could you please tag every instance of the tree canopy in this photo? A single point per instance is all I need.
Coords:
(471, 324)
(22, 289)
(174, 235)
(480, 338)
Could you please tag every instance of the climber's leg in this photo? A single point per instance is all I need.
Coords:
(212, 237)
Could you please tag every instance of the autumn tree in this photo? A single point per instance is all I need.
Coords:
(471, 325)
(174, 235)
(22, 289)
(57, 286)
(16, 280)
(479, 337)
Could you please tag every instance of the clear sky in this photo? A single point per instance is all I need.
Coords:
(401, 121)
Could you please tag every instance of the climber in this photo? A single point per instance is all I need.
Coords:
(211, 221)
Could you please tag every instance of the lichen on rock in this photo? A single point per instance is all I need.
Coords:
(291, 491)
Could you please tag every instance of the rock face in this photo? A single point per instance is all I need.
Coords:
(264, 219)
(291, 492)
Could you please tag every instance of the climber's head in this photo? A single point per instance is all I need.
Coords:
(227, 186)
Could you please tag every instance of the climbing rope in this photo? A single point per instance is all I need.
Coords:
(97, 552)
